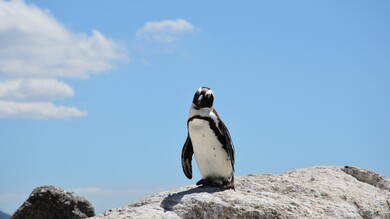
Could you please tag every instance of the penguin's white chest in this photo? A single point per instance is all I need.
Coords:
(212, 159)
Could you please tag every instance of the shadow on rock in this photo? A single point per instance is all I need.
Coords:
(173, 199)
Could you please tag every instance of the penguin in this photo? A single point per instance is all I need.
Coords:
(209, 140)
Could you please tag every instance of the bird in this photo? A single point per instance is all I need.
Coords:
(210, 141)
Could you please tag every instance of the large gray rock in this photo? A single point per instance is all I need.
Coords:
(317, 192)
(48, 202)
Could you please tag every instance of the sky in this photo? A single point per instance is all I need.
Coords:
(95, 95)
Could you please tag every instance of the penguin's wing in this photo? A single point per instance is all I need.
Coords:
(186, 157)
(228, 146)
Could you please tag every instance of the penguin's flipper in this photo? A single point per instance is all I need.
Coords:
(186, 158)
(228, 146)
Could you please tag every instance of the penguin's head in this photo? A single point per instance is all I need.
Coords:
(203, 98)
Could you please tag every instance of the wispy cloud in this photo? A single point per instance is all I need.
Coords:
(37, 110)
(36, 51)
(34, 90)
(165, 31)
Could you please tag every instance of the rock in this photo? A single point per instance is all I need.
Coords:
(369, 177)
(49, 202)
(317, 192)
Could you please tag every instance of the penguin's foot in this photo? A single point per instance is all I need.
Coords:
(227, 185)
(203, 182)
(223, 186)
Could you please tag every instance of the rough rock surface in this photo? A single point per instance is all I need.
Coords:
(317, 192)
(49, 202)
(369, 177)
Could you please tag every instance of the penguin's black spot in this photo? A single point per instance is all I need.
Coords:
(203, 135)
(214, 149)
(215, 155)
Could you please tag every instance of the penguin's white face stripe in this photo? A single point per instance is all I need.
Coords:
(200, 98)
(209, 92)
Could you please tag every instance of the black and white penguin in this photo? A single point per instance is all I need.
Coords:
(210, 141)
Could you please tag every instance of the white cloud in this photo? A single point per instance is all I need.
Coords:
(34, 90)
(36, 51)
(166, 31)
(34, 44)
(37, 110)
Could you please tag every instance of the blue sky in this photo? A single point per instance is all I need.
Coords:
(94, 96)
